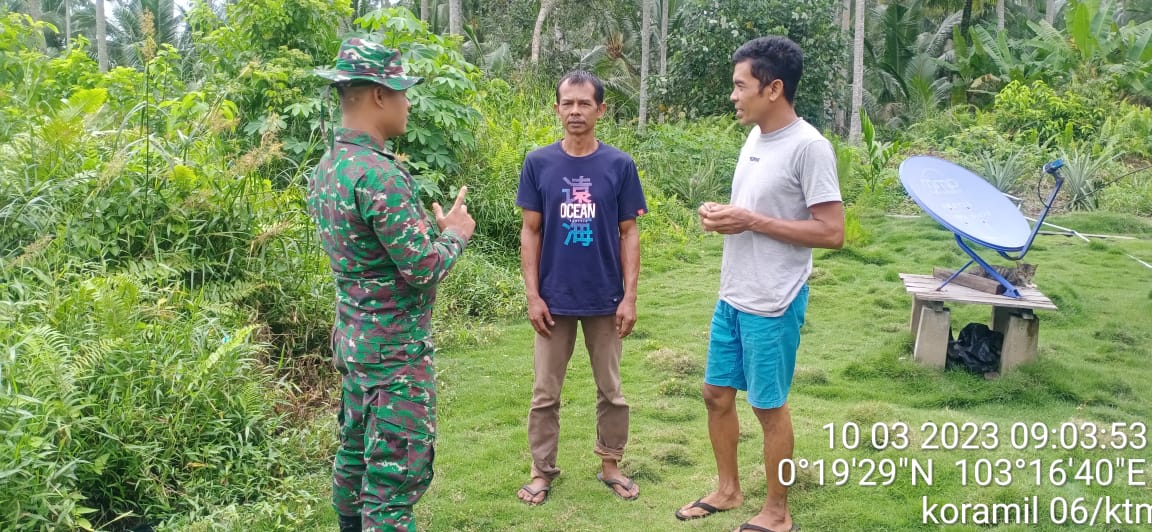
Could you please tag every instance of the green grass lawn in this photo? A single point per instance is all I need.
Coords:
(854, 367)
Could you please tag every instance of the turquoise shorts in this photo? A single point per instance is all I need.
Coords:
(755, 353)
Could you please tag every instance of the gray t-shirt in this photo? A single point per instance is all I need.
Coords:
(780, 175)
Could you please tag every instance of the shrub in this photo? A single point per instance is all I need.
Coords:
(1035, 113)
(442, 119)
(515, 119)
(123, 402)
(711, 30)
(670, 156)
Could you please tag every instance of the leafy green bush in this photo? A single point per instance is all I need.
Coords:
(259, 54)
(711, 30)
(671, 157)
(867, 172)
(515, 119)
(1037, 114)
(480, 288)
(1132, 127)
(121, 402)
(442, 116)
(1132, 194)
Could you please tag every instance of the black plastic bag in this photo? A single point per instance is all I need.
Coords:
(977, 350)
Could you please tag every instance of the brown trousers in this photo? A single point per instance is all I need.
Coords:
(551, 364)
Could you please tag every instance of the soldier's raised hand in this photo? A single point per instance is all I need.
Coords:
(457, 219)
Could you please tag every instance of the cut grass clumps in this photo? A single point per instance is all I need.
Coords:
(678, 387)
(673, 455)
(806, 376)
(640, 468)
(821, 276)
(666, 410)
(676, 362)
(869, 412)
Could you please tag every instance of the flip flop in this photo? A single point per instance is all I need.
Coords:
(708, 509)
(758, 528)
(614, 482)
(546, 490)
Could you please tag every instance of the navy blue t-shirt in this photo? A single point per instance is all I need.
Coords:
(583, 200)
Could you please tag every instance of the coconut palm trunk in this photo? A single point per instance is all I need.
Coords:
(857, 74)
(545, 8)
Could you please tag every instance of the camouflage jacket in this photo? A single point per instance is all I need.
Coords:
(383, 248)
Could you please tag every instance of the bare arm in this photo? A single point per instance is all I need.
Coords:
(530, 244)
(825, 228)
(630, 265)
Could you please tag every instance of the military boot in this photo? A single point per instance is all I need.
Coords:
(350, 523)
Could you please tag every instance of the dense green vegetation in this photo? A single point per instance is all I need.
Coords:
(164, 306)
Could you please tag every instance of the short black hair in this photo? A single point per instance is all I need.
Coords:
(581, 77)
(773, 57)
(344, 89)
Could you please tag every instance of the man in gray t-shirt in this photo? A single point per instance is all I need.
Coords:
(785, 201)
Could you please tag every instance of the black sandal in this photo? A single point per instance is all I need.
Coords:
(708, 509)
(627, 484)
(546, 490)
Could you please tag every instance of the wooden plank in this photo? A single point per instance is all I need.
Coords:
(960, 292)
(924, 287)
(991, 300)
(968, 280)
(946, 295)
(926, 281)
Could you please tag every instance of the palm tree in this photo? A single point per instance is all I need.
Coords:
(546, 7)
(455, 18)
(837, 104)
(645, 53)
(129, 34)
(966, 18)
(101, 36)
(1050, 12)
(424, 10)
(906, 53)
(36, 11)
(609, 47)
(857, 73)
(664, 9)
(67, 23)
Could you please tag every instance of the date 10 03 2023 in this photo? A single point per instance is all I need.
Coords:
(1067, 435)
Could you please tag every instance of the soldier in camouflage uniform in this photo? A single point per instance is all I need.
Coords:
(387, 256)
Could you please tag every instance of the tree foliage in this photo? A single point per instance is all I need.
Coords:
(711, 30)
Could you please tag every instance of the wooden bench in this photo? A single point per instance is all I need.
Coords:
(931, 320)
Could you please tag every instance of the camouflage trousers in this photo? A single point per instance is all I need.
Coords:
(387, 423)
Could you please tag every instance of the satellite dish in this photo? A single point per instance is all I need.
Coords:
(973, 210)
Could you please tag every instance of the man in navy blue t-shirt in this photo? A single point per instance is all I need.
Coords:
(580, 254)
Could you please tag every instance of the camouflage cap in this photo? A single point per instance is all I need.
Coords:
(364, 60)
